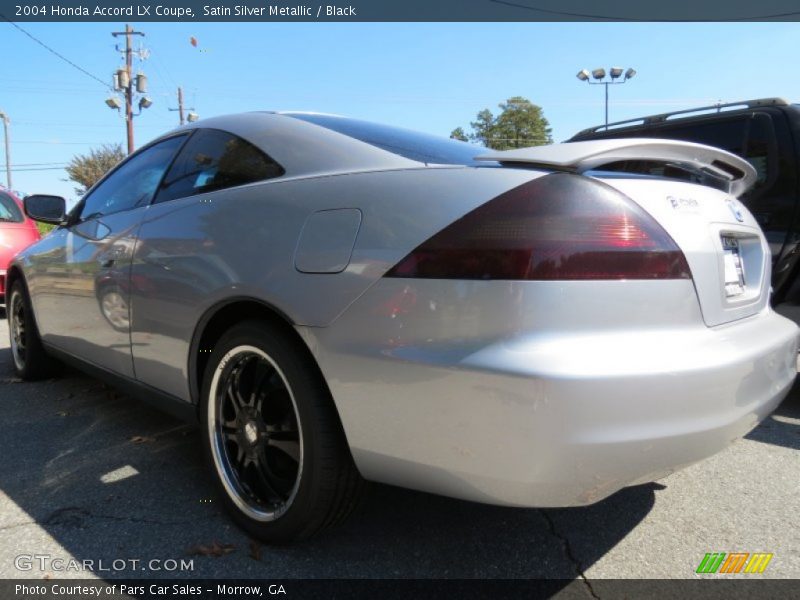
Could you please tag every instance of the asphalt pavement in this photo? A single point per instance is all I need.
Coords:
(87, 474)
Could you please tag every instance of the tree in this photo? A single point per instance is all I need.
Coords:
(458, 134)
(87, 169)
(482, 127)
(519, 124)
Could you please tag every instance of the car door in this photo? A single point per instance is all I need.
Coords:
(82, 278)
(192, 247)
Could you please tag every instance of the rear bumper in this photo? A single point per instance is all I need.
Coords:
(557, 419)
(647, 413)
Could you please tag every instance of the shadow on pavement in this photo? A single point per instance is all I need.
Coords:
(782, 428)
(94, 475)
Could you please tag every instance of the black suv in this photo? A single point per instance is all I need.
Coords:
(767, 134)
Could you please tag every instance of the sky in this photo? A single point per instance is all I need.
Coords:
(431, 77)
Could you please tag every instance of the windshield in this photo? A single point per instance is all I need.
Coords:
(9, 210)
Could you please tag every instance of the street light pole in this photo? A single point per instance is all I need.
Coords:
(6, 121)
(599, 79)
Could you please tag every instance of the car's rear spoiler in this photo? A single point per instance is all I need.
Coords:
(578, 157)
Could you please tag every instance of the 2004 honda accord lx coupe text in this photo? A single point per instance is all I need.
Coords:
(337, 299)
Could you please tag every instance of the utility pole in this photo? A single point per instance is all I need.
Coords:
(128, 89)
(6, 121)
(191, 116)
(180, 105)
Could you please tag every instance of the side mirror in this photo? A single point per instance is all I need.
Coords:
(47, 209)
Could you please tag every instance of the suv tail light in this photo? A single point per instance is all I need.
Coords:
(557, 227)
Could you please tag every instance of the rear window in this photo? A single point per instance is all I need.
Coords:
(420, 147)
(9, 210)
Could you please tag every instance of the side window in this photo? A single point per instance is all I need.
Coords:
(214, 160)
(727, 134)
(134, 183)
(759, 148)
(752, 138)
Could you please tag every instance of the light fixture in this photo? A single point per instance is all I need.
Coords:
(599, 76)
(192, 117)
(113, 102)
(145, 102)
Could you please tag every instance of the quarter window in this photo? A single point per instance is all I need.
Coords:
(133, 183)
(214, 160)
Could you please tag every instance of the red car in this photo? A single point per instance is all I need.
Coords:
(17, 232)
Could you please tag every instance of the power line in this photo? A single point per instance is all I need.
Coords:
(61, 56)
(48, 164)
(15, 170)
(562, 13)
(81, 125)
(58, 142)
(159, 65)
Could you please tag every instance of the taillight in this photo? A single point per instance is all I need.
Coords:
(559, 226)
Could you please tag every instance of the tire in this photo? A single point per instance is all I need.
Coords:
(30, 360)
(273, 438)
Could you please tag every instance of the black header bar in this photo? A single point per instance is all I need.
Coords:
(399, 10)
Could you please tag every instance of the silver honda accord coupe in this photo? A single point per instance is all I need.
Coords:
(336, 300)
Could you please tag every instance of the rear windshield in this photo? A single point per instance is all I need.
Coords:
(420, 147)
(9, 210)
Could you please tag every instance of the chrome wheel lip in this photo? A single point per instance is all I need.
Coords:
(17, 329)
(216, 442)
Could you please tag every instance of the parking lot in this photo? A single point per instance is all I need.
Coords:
(87, 473)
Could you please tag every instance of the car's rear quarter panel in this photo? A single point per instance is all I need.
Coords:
(196, 253)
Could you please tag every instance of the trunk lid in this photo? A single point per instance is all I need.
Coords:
(723, 245)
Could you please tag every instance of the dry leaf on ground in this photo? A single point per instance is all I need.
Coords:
(142, 439)
(214, 549)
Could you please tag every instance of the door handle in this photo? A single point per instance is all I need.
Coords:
(106, 263)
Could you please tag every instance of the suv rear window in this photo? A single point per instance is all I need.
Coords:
(9, 210)
(420, 147)
(752, 137)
